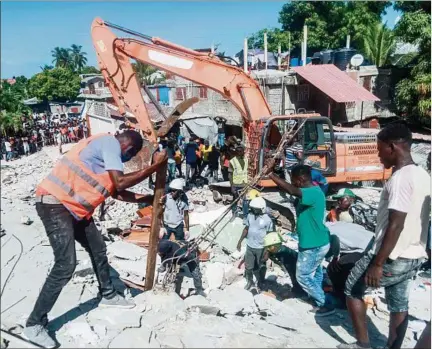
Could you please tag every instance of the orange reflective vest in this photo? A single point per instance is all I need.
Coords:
(74, 185)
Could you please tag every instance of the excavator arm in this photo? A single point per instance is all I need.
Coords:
(114, 56)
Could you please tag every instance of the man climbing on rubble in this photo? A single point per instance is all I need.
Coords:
(283, 256)
(341, 213)
(65, 201)
(175, 252)
(258, 224)
(176, 212)
(400, 238)
(314, 237)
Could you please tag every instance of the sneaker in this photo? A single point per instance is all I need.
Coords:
(117, 301)
(355, 345)
(200, 292)
(39, 335)
(322, 311)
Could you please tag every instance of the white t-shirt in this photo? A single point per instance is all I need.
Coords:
(407, 190)
(8, 146)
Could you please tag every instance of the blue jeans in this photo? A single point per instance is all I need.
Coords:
(9, 155)
(221, 139)
(177, 231)
(309, 272)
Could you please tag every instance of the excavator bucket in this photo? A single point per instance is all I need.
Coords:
(174, 116)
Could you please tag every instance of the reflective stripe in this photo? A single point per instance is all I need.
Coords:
(84, 176)
(89, 207)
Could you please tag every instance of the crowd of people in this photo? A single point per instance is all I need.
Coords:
(360, 260)
(43, 131)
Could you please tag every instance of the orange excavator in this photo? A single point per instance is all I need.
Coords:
(341, 157)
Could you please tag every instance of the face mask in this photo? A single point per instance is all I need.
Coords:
(126, 156)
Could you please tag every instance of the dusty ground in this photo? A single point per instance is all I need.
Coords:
(230, 317)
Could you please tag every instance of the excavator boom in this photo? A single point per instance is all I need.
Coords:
(114, 56)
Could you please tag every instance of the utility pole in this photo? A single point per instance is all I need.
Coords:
(265, 51)
(245, 55)
(304, 44)
(348, 41)
(155, 226)
(279, 56)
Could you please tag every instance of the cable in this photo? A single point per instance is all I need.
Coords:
(13, 268)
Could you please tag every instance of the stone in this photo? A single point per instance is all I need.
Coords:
(233, 275)
(200, 303)
(125, 250)
(116, 318)
(81, 332)
(134, 338)
(26, 220)
(233, 300)
(215, 274)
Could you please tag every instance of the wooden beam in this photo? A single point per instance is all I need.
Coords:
(155, 226)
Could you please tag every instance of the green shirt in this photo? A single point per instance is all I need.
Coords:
(310, 209)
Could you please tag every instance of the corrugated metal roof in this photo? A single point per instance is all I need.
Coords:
(335, 83)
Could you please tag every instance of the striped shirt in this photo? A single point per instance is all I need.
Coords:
(291, 155)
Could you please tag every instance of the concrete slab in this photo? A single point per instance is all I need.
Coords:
(233, 300)
(134, 338)
(201, 304)
(125, 250)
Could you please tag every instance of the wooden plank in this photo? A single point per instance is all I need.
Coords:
(155, 226)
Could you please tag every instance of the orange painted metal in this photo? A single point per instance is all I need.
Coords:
(207, 70)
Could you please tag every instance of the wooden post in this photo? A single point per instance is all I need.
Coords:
(348, 41)
(305, 44)
(279, 56)
(265, 51)
(245, 55)
(155, 226)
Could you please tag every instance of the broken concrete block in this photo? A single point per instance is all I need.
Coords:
(233, 275)
(125, 250)
(26, 220)
(81, 332)
(158, 301)
(170, 341)
(233, 300)
(116, 318)
(200, 303)
(215, 274)
(134, 338)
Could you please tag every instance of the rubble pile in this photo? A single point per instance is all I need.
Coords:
(229, 317)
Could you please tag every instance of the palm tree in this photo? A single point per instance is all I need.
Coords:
(145, 73)
(379, 44)
(46, 67)
(62, 57)
(79, 59)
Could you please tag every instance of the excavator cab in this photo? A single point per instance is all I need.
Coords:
(316, 138)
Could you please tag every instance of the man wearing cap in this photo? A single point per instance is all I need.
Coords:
(341, 213)
(176, 212)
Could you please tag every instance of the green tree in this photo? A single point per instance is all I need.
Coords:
(413, 93)
(145, 73)
(62, 57)
(12, 106)
(46, 67)
(89, 70)
(59, 84)
(78, 57)
(378, 44)
(329, 22)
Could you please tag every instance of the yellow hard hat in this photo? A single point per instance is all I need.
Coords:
(272, 239)
(253, 193)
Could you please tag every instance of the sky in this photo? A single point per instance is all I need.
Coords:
(30, 30)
